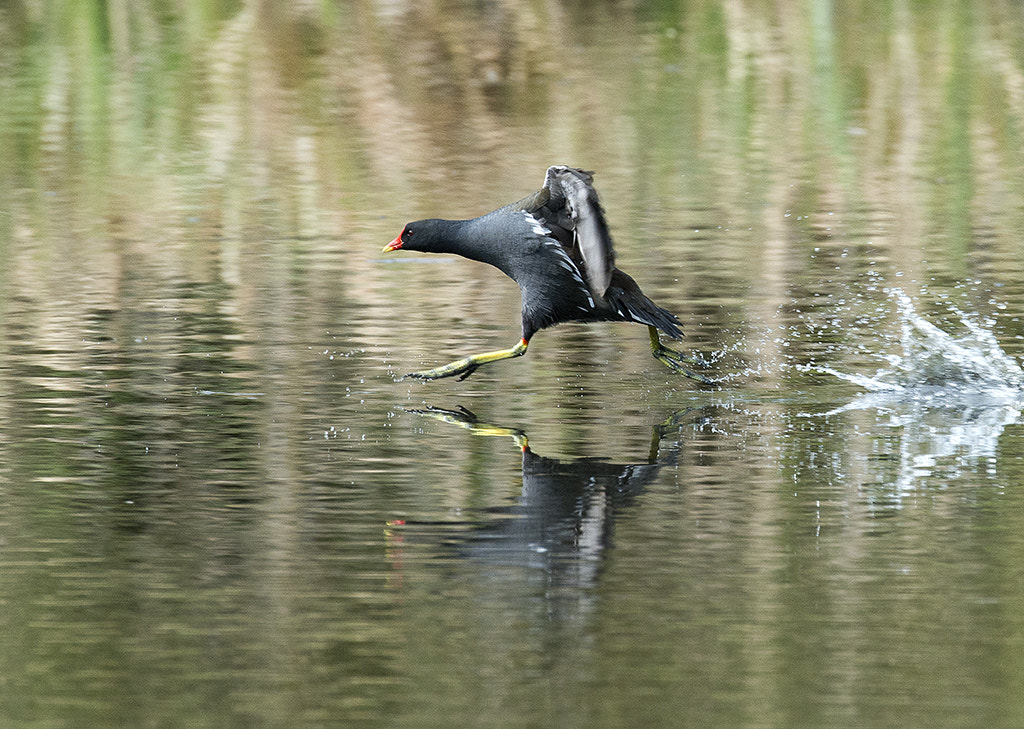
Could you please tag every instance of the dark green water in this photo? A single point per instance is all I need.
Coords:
(219, 508)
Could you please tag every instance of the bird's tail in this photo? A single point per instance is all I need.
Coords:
(633, 305)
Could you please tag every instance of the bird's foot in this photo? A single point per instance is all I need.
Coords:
(463, 368)
(675, 360)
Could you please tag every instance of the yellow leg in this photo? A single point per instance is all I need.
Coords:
(467, 366)
(674, 360)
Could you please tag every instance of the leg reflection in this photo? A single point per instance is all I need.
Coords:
(563, 520)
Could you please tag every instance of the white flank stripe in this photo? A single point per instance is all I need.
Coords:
(563, 258)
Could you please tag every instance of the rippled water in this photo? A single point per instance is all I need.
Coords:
(221, 506)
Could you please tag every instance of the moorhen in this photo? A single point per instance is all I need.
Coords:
(555, 244)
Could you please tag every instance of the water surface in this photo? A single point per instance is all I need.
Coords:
(221, 506)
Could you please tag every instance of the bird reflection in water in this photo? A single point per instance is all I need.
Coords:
(562, 523)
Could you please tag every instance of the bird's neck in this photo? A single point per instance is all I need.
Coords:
(469, 239)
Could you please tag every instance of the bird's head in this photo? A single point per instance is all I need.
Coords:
(427, 236)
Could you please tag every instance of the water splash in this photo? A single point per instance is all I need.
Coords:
(950, 396)
(935, 364)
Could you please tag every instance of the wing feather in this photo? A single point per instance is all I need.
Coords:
(586, 219)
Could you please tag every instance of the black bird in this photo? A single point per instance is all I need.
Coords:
(555, 244)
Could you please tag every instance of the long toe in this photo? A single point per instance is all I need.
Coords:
(425, 375)
(462, 368)
(681, 358)
(674, 361)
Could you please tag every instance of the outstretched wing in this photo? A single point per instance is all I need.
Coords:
(573, 196)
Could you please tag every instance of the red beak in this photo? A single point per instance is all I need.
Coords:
(393, 245)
